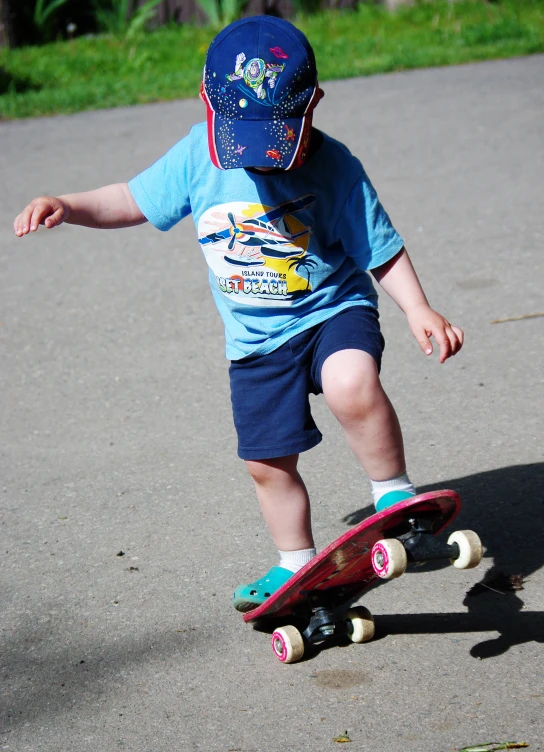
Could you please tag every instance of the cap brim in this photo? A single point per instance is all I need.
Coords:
(280, 144)
(265, 143)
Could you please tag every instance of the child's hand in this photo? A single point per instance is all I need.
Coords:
(425, 323)
(45, 210)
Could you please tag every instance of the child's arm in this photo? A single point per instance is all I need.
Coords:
(106, 208)
(399, 279)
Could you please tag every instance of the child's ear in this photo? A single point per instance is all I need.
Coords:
(201, 92)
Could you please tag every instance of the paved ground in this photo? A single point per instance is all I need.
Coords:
(117, 437)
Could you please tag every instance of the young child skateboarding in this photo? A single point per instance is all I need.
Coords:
(292, 230)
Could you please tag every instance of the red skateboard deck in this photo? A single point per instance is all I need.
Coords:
(343, 570)
(319, 596)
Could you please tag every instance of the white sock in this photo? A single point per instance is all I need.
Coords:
(295, 560)
(381, 487)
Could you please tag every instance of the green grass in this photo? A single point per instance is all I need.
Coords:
(167, 64)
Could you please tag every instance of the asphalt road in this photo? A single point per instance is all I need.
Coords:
(127, 519)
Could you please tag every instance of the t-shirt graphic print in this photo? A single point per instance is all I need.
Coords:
(257, 253)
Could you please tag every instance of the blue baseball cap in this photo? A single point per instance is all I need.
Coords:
(260, 89)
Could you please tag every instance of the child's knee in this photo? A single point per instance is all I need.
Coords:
(351, 383)
(269, 472)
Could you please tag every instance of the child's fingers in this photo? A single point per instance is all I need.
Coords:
(459, 333)
(39, 214)
(54, 219)
(445, 345)
(18, 226)
(27, 220)
(36, 213)
(455, 337)
(424, 342)
(22, 222)
(449, 338)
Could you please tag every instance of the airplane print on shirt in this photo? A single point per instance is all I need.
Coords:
(259, 253)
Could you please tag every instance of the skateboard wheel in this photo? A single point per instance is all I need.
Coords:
(470, 549)
(287, 644)
(360, 624)
(389, 559)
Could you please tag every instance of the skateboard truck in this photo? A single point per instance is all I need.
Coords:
(322, 625)
(356, 623)
(421, 545)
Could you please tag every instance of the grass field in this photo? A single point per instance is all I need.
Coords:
(92, 73)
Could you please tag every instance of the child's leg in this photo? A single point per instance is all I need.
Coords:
(273, 419)
(284, 501)
(353, 392)
(285, 507)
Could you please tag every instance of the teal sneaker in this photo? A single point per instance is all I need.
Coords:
(248, 597)
(391, 498)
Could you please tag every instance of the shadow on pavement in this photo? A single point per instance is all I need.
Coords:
(515, 627)
(44, 676)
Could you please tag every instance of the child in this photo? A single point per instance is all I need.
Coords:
(290, 226)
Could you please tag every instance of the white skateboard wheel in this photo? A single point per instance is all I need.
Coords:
(360, 624)
(389, 559)
(470, 549)
(287, 644)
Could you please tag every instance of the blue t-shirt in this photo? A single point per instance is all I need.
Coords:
(285, 250)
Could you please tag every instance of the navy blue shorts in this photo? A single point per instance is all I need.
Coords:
(270, 393)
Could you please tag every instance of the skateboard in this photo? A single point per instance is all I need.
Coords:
(318, 596)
